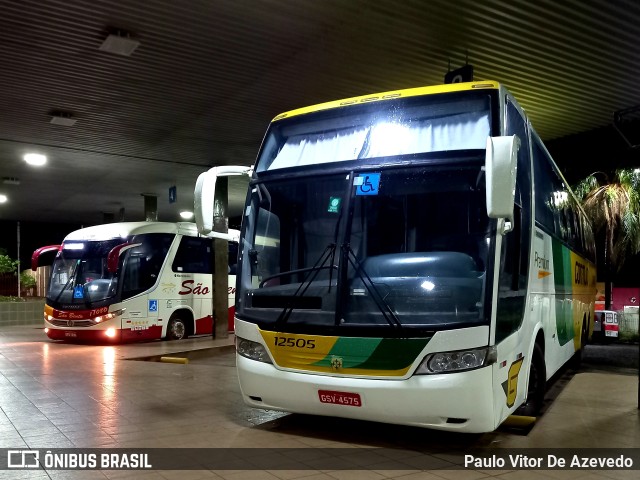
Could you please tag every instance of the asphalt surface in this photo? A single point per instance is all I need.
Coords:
(612, 356)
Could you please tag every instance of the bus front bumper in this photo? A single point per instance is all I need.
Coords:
(456, 401)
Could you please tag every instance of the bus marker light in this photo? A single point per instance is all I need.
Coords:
(46, 330)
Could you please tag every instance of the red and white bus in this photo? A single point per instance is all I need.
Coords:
(133, 281)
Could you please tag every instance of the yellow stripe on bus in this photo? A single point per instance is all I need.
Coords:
(410, 92)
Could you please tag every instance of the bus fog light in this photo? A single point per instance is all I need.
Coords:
(252, 350)
(445, 362)
(110, 332)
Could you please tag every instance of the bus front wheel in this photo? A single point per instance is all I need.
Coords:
(176, 330)
(537, 385)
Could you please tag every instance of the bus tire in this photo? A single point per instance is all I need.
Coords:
(177, 329)
(537, 385)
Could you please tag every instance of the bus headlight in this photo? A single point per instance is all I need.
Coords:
(108, 316)
(447, 362)
(252, 350)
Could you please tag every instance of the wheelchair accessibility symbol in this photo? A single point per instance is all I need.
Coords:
(153, 305)
(367, 183)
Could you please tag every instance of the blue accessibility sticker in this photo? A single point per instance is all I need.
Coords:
(78, 292)
(367, 184)
(153, 305)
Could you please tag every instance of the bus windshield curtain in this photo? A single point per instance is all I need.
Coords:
(454, 132)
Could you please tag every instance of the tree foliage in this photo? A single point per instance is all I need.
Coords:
(27, 280)
(7, 265)
(613, 206)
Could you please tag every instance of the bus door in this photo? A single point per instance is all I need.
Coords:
(513, 336)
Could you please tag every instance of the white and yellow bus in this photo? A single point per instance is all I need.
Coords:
(412, 257)
(133, 281)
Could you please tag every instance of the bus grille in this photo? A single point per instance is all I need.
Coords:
(72, 323)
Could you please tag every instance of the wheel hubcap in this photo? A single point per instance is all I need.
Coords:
(178, 329)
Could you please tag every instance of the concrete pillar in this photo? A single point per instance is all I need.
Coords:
(221, 258)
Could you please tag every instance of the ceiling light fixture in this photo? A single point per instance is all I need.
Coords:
(120, 43)
(3, 198)
(35, 159)
(63, 118)
(186, 215)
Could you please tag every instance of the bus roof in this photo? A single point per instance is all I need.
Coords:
(126, 229)
(410, 92)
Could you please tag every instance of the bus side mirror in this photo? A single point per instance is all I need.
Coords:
(500, 173)
(205, 192)
(44, 256)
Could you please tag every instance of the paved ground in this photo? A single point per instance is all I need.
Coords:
(55, 395)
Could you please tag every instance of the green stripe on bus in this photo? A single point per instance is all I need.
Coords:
(375, 353)
(395, 353)
(564, 288)
(353, 351)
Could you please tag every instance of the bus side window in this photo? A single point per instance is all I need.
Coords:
(143, 263)
(194, 255)
(233, 258)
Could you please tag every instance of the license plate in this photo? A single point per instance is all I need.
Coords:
(340, 398)
(610, 333)
(70, 334)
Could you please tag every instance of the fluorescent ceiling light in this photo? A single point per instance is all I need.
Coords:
(3, 198)
(186, 215)
(35, 159)
(64, 120)
(120, 44)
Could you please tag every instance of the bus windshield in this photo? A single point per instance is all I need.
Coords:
(327, 252)
(79, 273)
(392, 128)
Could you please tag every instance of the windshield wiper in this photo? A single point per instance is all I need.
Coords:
(293, 272)
(388, 314)
(326, 255)
(72, 277)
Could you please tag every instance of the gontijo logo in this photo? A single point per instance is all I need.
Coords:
(581, 276)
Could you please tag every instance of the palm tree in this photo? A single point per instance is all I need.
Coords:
(613, 206)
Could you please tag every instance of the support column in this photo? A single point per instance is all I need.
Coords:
(221, 257)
